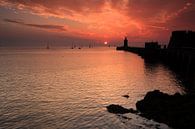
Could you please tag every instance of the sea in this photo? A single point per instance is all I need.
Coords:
(63, 88)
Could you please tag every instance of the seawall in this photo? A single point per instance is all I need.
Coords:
(181, 61)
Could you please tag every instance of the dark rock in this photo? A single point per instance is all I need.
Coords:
(177, 111)
(117, 109)
(133, 111)
(126, 96)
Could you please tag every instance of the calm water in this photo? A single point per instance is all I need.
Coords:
(64, 88)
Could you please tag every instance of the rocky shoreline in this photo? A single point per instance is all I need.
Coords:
(177, 111)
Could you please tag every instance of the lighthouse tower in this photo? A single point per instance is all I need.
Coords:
(125, 43)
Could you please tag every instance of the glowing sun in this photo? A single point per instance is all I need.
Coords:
(105, 42)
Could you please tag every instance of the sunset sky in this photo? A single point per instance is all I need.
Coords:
(33, 22)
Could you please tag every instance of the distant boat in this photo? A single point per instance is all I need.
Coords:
(80, 47)
(72, 46)
(48, 47)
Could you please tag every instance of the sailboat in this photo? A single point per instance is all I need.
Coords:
(90, 46)
(72, 46)
(48, 47)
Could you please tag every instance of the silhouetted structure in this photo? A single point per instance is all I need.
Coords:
(125, 43)
(182, 39)
(180, 54)
(165, 46)
(125, 46)
(151, 50)
(152, 45)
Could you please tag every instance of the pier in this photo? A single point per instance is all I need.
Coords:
(179, 55)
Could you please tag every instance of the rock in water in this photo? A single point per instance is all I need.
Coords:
(126, 96)
(117, 109)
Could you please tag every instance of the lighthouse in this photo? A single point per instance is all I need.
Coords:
(125, 43)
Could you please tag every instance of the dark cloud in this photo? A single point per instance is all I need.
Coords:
(52, 27)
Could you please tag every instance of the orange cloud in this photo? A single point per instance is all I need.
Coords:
(108, 18)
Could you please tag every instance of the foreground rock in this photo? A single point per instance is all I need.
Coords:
(177, 111)
(117, 109)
